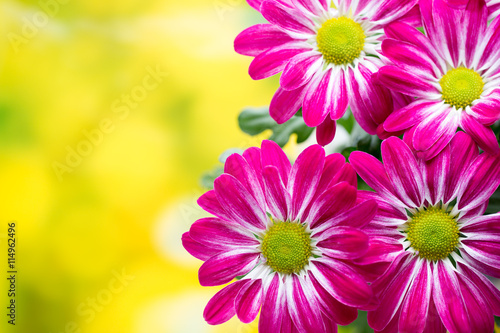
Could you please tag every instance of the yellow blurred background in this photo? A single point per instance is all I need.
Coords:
(110, 111)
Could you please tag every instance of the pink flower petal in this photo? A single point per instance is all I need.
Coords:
(380, 249)
(371, 103)
(208, 201)
(220, 308)
(393, 296)
(274, 60)
(344, 243)
(416, 304)
(287, 18)
(487, 110)
(483, 135)
(238, 167)
(390, 10)
(277, 197)
(342, 282)
(249, 300)
(325, 132)
(273, 155)
(372, 171)
(285, 104)
(217, 233)
(479, 311)
(198, 250)
(448, 299)
(464, 150)
(410, 115)
(239, 203)
(409, 57)
(302, 305)
(443, 123)
(436, 176)
(488, 289)
(404, 172)
(260, 38)
(434, 323)
(332, 202)
(404, 82)
(225, 266)
(470, 256)
(300, 70)
(482, 179)
(338, 312)
(314, 7)
(273, 309)
(490, 47)
(304, 178)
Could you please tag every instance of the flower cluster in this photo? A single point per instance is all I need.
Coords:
(298, 242)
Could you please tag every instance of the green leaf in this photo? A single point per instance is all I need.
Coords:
(254, 121)
(208, 178)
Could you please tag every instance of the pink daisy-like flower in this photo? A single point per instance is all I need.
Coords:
(327, 53)
(287, 233)
(454, 71)
(430, 226)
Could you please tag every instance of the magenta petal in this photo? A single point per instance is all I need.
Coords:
(436, 176)
(443, 123)
(273, 155)
(448, 299)
(260, 38)
(196, 249)
(358, 216)
(491, 43)
(342, 282)
(285, 104)
(273, 309)
(399, 264)
(410, 115)
(304, 178)
(287, 18)
(314, 7)
(238, 167)
(416, 304)
(470, 256)
(409, 57)
(332, 202)
(371, 103)
(390, 10)
(273, 61)
(433, 324)
(300, 69)
(325, 132)
(301, 300)
(249, 300)
(217, 233)
(487, 110)
(220, 308)
(208, 201)
(488, 290)
(464, 150)
(333, 164)
(380, 249)
(239, 203)
(399, 80)
(393, 297)
(225, 266)
(372, 171)
(475, 18)
(404, 172)
(344, 243)
(338, 312)
(483, 135)
(277, 196)
(253, 157)
(486, 225)
(483, 178)
(346, 174)
(484, 248)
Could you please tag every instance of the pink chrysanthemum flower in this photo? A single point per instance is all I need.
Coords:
(430, 226)
(453, 71)
(287, 233)
(327, 53)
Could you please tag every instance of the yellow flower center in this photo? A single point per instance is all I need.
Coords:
(340, 40)
(433, 233)
(461, 86)
(287, 247)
